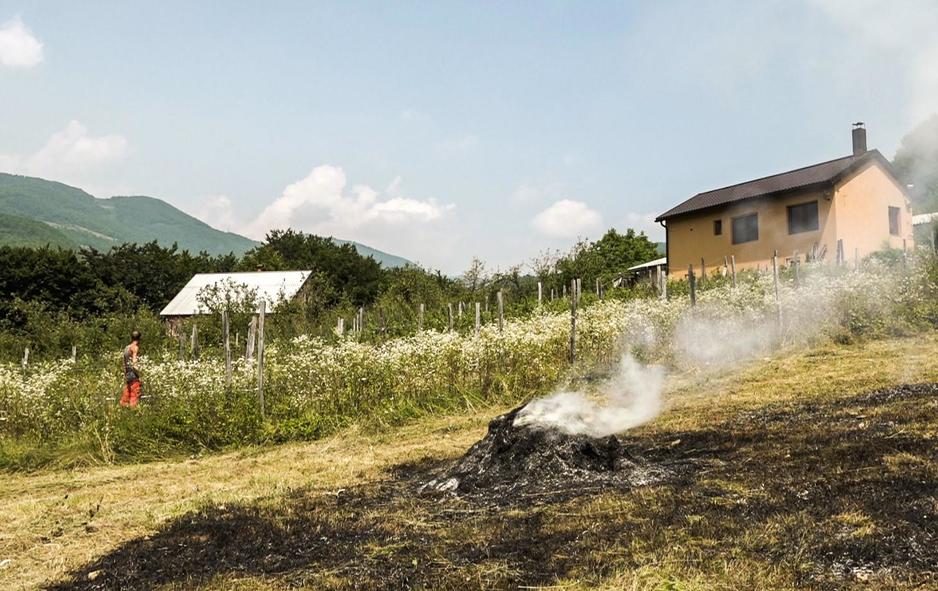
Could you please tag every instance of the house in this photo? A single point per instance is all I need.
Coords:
(835, 210)
(272, 287)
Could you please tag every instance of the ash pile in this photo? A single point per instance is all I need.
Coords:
(532, 461)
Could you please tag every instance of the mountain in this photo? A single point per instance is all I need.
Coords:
(37, 212)
(387, 260)
(80, 219)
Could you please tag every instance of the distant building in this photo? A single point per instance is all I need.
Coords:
(273, 287)
(925, 226)
(847, 207)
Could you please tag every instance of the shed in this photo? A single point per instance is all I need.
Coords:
(273, 287)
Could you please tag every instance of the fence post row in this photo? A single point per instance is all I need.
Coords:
(692, 283)
(195, 342)
(227, 341)
(260, 357)
(252, 336)
(778, 303)
(573, 283)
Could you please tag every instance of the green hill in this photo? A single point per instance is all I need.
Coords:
(20, 231)
(386, 260)
(36, 212)
(84, 220)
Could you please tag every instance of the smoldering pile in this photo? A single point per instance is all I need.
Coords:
(515, 461)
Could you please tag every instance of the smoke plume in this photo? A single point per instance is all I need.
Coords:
(628, 399)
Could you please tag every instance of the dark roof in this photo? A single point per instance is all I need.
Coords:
(815, 176)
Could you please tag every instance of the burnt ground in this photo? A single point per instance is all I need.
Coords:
(828, 494)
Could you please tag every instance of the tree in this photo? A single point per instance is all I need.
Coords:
(351, 276)
(916, 164)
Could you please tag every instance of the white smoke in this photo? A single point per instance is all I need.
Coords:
(628, 399)
(726, 329)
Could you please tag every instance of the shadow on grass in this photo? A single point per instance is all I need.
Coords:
(799, 473)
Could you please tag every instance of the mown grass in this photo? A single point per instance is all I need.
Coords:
(768, 431)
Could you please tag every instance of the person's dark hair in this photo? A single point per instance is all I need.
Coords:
(135, 336)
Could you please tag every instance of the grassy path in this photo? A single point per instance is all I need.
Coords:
(55, 522)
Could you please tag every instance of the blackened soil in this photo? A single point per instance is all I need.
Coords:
(523, 465)
(828, 495)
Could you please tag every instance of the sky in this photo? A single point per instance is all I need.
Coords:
(440, 131)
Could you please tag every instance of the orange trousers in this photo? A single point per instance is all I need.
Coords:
(131, 393)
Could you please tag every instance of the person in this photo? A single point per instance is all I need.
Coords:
(131, 392)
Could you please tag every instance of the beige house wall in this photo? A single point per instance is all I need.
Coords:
(856, 211)
(862, 204)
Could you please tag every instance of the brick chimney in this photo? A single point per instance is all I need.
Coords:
(859, 139)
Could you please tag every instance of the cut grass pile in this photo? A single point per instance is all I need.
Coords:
(804, 479)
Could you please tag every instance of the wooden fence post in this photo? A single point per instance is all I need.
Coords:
(194, 345)
(540, 293)
(563, 293)
(74, 353)
(420, 318)
(252, 336)
(703, 269)
(449, 317)
(579, 289)
(459, 311)
(361, 319)
(478, 317)
(260, 357)
(25, 357)
(733, 262)
(227, 341)
(840, 252)
(501, 311)
(573, 322)
(778, 302)
(692, 283)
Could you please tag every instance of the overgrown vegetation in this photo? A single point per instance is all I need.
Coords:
(65, 412)
(55, 299)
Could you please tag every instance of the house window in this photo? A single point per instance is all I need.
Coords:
(717, 227)
(894, 221)
(802, 218)
(745, 228)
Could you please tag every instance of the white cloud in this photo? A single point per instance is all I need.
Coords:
(19, 48)
(323, 204)
(217, 211)
(567, 219)
(69, 154)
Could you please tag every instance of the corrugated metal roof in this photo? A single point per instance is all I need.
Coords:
(655, 263)
(801, 178)
(271, 286)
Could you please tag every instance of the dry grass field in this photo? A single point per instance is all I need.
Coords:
(801, 479)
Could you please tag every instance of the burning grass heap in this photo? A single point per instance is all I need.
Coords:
(516, 460)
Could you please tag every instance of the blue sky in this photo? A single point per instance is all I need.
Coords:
(441, 131)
